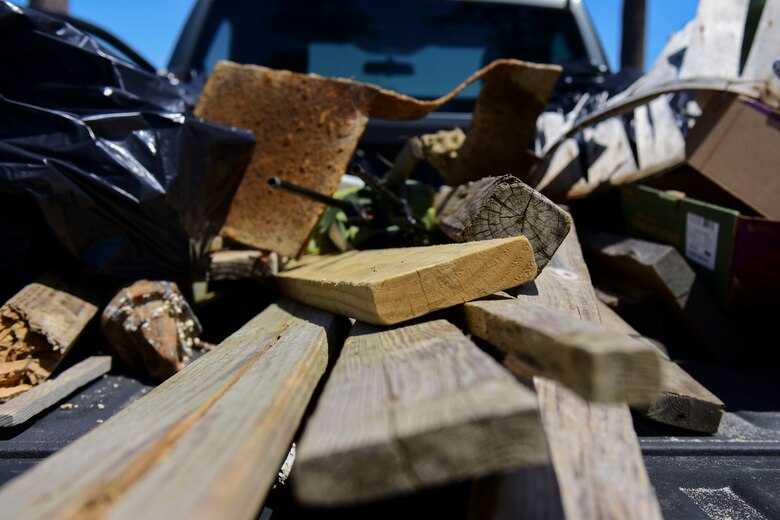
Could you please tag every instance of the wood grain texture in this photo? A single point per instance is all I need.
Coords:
(598, 364)
(595, 454)
(412, 407)
(206, 443)
(388, 286)
(683, 401)
(500, 207)
(40, 397)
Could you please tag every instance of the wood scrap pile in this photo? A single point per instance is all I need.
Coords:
(481, 354)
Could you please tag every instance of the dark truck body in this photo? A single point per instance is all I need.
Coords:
(734, 473)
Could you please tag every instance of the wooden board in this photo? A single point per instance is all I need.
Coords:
(595, 454)
(662, 269)
(715, 49)
(241, 265)
(683, 401)
(596, 363)
(206, 443)
(500, 207)
(659, 142)
(39, 398)
(388, 286)
(411, 407)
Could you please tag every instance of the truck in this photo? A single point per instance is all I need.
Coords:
(423, 49)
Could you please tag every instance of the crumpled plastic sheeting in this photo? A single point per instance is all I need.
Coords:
(98, 157)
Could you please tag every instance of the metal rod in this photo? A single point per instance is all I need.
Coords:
(350, 208)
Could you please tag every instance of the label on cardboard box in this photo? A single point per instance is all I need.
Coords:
(701, 240)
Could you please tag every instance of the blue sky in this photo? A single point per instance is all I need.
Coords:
(152, 26)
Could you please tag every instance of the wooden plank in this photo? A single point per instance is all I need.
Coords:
(715, 49)
(659, 142)
(206, 443)
(241, 265)
(41, 323)
(596, 363)
(683, 401)
(609, 152)
(501, 207)
(41, 397)
(763, 53)
(411, 407)
(388, 286)
(594, 451)
(662, 269)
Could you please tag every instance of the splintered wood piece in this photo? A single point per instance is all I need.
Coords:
(206, 443)
(39, 325)
(683, 401)
(597, 363)
(151, 326)
(242, 265)
(594, 451)
(500, 207)
(388, 286)
(412, 407)
(41, 397)
(307, 128)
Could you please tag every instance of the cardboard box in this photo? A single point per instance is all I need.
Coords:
(736, 144)
(736, 257)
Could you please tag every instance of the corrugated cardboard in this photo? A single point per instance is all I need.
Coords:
(736, 257)
(736, 144)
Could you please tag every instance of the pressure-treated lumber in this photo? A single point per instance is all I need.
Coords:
(39, 398)
(598, 364)
(594, 451)
(206, 443)
(683, 401)
(411, 407)
(388, 286)
(500, 207)
(38, 326)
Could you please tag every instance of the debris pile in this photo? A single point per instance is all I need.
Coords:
(455, 333)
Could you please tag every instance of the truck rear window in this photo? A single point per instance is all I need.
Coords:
(422, 48)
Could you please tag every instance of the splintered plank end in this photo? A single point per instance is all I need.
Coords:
(389, 286)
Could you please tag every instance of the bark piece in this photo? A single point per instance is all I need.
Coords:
(151, 326)
(500, 207)
(388, 286)
(207, 443)
(411, 407)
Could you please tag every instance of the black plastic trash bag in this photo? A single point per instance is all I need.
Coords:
(99, 159)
